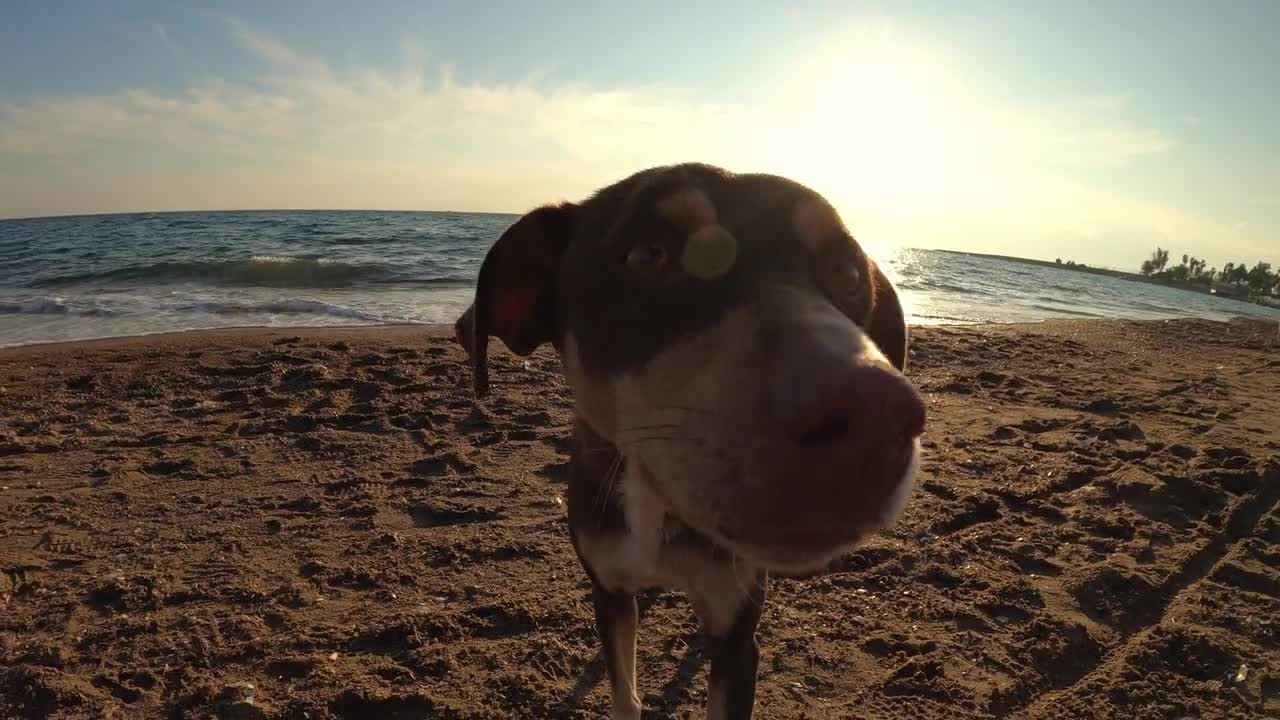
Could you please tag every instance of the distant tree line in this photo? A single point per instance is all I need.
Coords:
(1072, 264)
(1258, 280)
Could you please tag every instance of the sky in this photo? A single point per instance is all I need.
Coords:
(1087, 131)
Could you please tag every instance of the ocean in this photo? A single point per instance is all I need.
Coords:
(76, 278)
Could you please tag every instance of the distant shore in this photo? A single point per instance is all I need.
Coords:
(1121, 274)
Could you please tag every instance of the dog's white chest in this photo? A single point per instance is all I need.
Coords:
(637, 559)
(642, 558)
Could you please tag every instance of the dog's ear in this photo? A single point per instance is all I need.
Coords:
(887, 324)
(515, 292)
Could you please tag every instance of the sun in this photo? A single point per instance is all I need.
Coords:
(881, 120)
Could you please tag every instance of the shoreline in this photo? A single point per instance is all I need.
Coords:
(444, 329)
(246, 331)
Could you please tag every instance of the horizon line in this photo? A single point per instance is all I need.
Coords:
(112, 213)
(108, 213)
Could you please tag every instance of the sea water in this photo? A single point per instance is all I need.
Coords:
(73, 278)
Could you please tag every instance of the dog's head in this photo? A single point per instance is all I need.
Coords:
(730, 337)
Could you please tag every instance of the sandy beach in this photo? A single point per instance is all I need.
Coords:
(321, 523)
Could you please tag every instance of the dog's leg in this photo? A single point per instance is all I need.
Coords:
(616, 620)
(729, 612)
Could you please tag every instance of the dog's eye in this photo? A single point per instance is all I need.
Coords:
(854, 278)
(844, 281)
(647, 258)
(844, 277)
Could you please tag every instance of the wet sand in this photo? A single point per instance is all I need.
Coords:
(321, 523)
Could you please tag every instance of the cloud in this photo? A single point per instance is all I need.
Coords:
(409, 135)
(163, 34)
(903, 143)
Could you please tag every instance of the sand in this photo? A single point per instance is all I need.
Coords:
(321, 523)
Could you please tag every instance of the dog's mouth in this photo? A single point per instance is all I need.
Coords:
(801, 545)
(775, 530)
(795, 550)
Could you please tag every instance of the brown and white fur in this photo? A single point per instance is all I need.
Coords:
(736, 362)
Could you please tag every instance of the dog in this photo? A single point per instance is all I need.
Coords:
(737, 366)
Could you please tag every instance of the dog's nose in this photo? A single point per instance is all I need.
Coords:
(838, 445)
(840, 403)
(832, 391)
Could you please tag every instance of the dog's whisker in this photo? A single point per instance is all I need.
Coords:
(743, 586)
(651, 438)
(605, 488)
(655, 426)
(686, 408)
(612, 480)
(743, 438)
(689, 408)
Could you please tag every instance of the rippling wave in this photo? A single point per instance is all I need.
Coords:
(262, 271)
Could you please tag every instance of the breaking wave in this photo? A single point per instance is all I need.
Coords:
(286, 307)
(49, 306)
